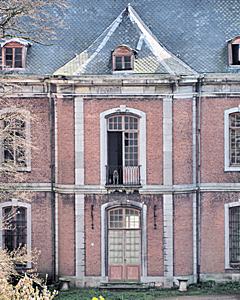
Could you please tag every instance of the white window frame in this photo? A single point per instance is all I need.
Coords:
(226, 223)
(16, 203)
(28, 137)
(227, 166)
(142, 139)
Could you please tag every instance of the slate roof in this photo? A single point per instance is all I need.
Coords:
(194, 31)
(127, 29)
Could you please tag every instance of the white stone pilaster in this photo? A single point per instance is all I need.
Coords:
(194, 178)
(80, 239)
(56, 194)
(167, 198)
(79, 198)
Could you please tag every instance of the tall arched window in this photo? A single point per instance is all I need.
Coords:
(234, 134)
(123, 154)
(232, 235)
(232, 139)
(15, 228)
(15, 139)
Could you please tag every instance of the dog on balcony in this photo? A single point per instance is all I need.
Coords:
(115, 177)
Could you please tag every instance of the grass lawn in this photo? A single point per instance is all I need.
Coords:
(207, 288)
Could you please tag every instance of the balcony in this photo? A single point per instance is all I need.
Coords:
(119, 176)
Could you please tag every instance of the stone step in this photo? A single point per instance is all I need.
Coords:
(126, 286)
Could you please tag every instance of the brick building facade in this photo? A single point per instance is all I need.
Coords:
(135, 173)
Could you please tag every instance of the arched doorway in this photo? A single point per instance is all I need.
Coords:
(124, 244)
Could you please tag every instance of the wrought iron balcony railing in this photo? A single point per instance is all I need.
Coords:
(123, 175)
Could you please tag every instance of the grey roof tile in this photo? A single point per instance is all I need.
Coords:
(196, 31)
(127, 29)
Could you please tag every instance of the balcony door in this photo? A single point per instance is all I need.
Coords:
(115, 157)
(124, 244)
(123, 151)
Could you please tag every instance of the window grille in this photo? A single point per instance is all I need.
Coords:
(234, 123)
(14, 143)
(124, 236)
(234, 234)
(15, 229)
(124, 218)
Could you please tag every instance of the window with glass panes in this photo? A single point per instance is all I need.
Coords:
(123, 63)
(124, 239)
(234, 128)
(14, 141)
(234, 234)
(13, 57)
(15, 227)
(128, 125)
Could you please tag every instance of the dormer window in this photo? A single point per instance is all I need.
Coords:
(122, 59)
(13, 54)
(234, 51)
(14, 57)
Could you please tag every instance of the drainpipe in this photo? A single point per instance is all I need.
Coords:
(51, 90)
(198, 177)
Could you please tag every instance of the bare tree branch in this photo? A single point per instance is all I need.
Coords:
(35, 20)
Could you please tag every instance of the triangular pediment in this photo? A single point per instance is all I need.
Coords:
(127, 29)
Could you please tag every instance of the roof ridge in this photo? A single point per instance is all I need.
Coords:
(111, 29)
(154, 44)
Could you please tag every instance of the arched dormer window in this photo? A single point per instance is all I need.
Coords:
(234, 51)
(122, 59)
(13, 54)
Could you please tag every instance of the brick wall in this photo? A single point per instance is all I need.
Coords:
(183, 235)
(153, 110)
(66, 235)
(154, 235)
(41, 230)
(93, 235)
(212, 230)
(212, 137)
(40, 137)
(66, 136)
(182, 141)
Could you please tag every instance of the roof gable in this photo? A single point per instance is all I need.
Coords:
(128, 29)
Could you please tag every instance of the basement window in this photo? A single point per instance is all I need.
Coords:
(122, 59)
(234, 51)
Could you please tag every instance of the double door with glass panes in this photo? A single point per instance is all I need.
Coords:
(124, 244)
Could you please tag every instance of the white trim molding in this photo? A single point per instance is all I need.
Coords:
(226, 226)
(142, 139)
(227, 166)
(16, 203)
